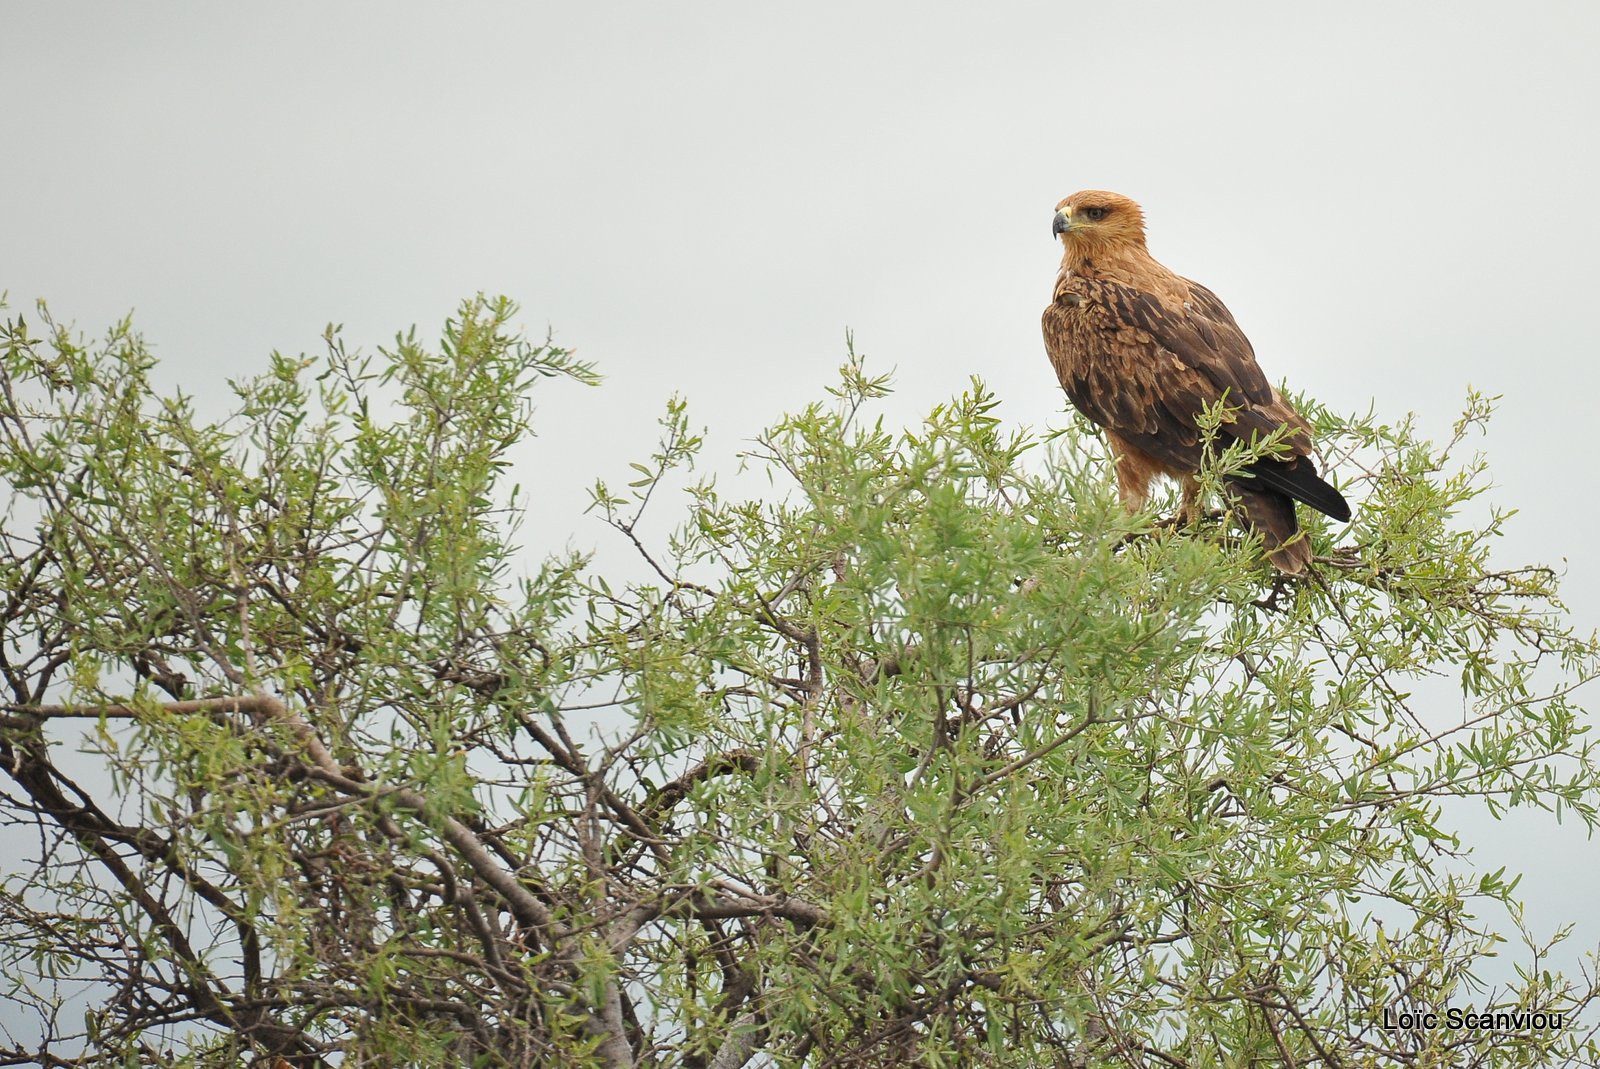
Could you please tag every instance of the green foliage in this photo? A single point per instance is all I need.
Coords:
(933, 757)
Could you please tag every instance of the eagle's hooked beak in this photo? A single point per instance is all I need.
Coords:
(1060, 224)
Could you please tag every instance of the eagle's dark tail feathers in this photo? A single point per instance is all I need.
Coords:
(1266, 504)
(1299, 479)
(1271, 515)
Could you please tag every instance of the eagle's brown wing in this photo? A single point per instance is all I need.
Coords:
(1144, 368)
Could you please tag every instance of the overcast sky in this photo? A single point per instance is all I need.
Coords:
(1396, 201)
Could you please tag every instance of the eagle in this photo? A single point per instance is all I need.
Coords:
(1142, 352)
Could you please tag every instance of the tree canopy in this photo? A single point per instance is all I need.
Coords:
(930, 757)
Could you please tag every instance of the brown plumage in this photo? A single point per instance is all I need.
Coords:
(1142, 351)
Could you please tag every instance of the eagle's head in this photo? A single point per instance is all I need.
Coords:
(1094, 217)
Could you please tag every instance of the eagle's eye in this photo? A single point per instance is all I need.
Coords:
(1095, 214)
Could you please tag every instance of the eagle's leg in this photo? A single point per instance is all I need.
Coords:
(1131, 495)
(1134, 470)
(1192, 510)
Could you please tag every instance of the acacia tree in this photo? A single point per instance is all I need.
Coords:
(935, 758)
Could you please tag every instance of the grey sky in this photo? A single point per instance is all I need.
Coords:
(1395, 201)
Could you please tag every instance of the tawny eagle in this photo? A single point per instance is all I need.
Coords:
(1142, 352)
